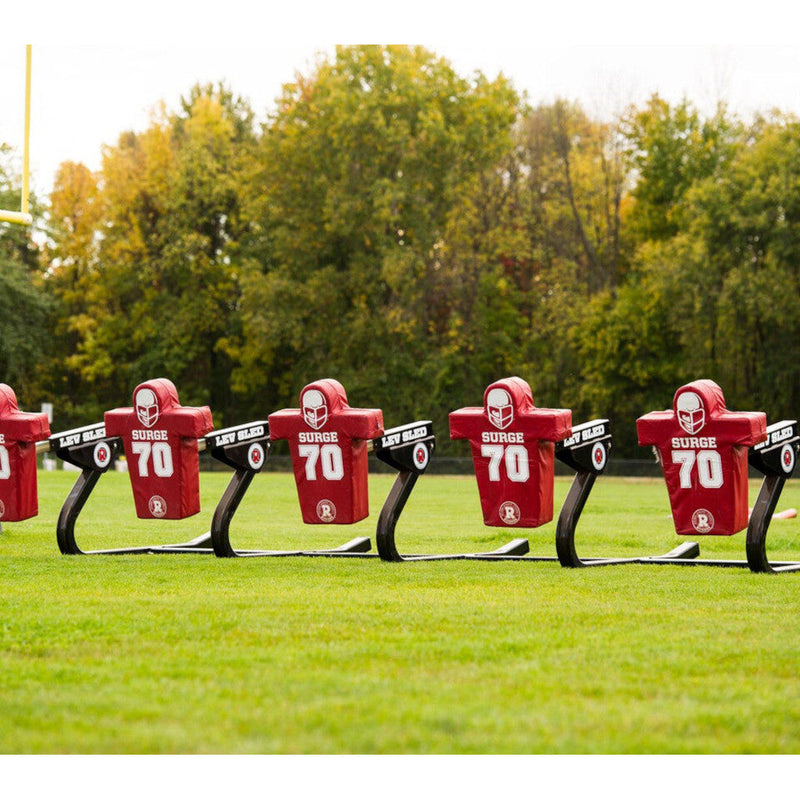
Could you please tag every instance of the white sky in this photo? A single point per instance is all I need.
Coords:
(90, 82)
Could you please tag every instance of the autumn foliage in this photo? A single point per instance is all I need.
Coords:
(415, 234)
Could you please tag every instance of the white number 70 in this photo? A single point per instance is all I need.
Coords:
(516, 461)
(329, 457)
(162, 458)
(709, 467)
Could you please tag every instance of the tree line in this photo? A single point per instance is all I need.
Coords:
(415, 234)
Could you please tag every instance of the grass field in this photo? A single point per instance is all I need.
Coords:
(194, 654)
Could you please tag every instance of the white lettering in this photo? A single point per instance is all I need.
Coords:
(149, 436)
(709, 468)
(515, 458)
(317, 436)
(225, 438)
(2, 438)
(591, 433)
(699, 442)
(502, 436)
(779, 436)
(250, 433)
(416, 433)
(390, 440)
(329, 457)
(162, 458)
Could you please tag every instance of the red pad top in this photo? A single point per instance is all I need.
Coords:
(512, 450)
(703, 453)
(20, 426)
(19, 432)
(328, 444)
(160, 440)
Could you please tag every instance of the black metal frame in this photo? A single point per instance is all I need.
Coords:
(80, 447)
(775, 458)
(407, 448)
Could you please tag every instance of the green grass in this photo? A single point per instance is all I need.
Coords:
(194, 654)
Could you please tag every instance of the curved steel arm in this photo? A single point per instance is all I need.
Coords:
(73, 505)
(392, 508)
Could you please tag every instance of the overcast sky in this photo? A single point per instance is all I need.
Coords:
(86, 91)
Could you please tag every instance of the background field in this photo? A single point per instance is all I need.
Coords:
(193, 654)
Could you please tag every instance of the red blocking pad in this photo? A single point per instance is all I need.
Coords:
(19, 432)
(513, 447)
(328, 444)
(703, 451)
(159, 437)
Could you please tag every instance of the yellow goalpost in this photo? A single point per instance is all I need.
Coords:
(23, 216)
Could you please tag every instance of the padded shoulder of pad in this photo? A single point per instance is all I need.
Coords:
(20, 425)
(153, 400)
(323, 404)
(508, 403)
(699, 409)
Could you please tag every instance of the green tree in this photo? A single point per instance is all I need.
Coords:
(24, 308)
(657, 329)
(530, 242)
(361, 163)
(147, 273)
(748, 281)
(71, 254)
(633, 346)
(672, 148)
(714, 293)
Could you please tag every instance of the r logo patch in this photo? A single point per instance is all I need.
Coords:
(157, 506)
(326, 511)
(509, 513)
(702, 520)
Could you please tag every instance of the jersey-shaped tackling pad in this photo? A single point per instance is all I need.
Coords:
(328, 444)
(512, 450)
(160, 441)
(19, 432)
(703, 451)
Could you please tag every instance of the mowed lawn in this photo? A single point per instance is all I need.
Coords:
(194, 654)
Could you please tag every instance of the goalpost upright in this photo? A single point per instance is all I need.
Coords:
(23, 216)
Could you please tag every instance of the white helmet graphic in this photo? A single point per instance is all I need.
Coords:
(499, 408)
(315, 409)
(146, 407)
(691, 413)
